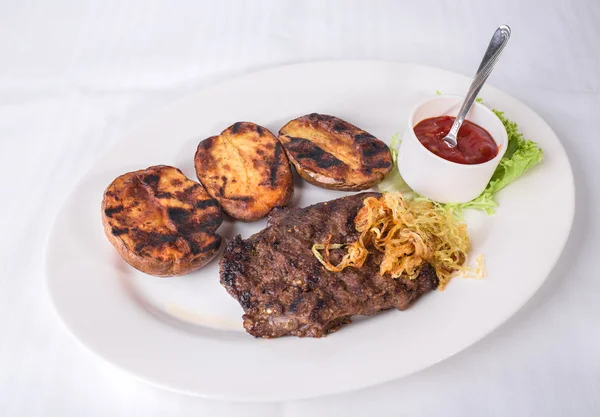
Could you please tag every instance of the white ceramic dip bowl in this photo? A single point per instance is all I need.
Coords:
(439, 179)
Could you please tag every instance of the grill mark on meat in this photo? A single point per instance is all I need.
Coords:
(312, 280)
(275, 270)
(245, 301)
(316, 312)
(228, 277)
(231, 270)
(296, 303)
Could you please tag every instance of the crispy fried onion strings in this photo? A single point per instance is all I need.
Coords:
(408, 233)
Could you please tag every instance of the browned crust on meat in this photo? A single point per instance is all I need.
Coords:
(283, 288)
(334, 154)
(160, 222)
(246, 170)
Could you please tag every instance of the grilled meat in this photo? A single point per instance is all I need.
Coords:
(283, 288)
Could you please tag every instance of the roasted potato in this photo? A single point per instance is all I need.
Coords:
(331, 153)
(160, 222)
(245, 169)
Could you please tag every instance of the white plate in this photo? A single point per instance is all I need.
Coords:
(186, 334)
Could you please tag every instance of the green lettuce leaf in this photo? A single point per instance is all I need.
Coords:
(394, 182)
(521, 155)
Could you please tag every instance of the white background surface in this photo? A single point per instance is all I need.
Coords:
(74, 76)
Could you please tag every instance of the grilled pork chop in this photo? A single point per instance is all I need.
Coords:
(283, 288)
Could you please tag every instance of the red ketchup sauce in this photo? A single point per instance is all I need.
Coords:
(475, 144)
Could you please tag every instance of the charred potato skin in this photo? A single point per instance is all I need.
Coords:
(355, 160)
(160, 222)
(246, 170)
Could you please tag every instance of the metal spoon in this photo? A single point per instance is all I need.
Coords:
(494, 49)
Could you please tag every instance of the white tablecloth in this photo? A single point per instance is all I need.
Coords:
(74, 76)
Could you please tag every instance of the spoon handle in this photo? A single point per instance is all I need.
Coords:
(494, 49)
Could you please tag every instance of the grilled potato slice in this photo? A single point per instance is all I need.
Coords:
(160, 222)
(331, 153)
(245, 169)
